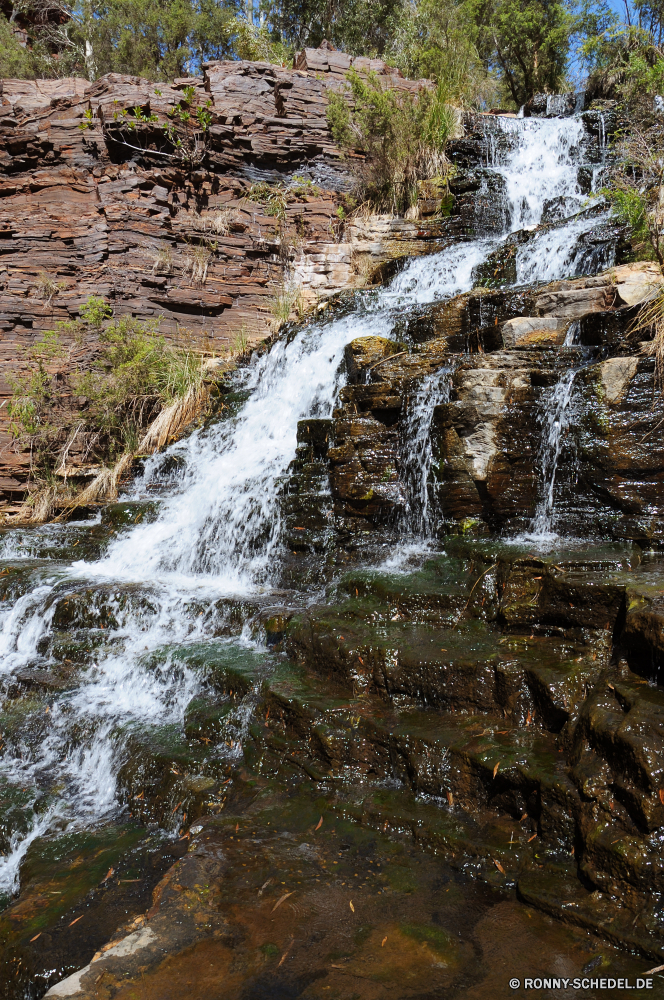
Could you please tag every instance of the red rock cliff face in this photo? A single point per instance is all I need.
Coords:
(97, 217)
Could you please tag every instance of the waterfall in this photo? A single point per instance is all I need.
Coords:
(556, 424)
(417, 449)
(218, 531)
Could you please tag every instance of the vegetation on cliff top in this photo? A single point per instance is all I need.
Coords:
(482, 51)
(403, 137)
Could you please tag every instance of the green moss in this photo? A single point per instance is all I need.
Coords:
(435, 937)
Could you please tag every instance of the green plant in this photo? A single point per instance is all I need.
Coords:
(95, 312)
(272, 197)
(636, 189)
(402, 135)
(132, 375)
(87, 120)
(240, 342)
(303, 187)
(287, 300)
(255, 43)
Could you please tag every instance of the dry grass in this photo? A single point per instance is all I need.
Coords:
(46, 288)
(104, 487)
(218, 221)
(163, 261)
(196, 263)
(173, 419)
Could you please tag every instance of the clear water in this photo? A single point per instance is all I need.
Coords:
(219, 531)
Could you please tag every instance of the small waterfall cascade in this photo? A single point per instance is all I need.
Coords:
(557, 420)
(218, 530)
(417, 449)
(555, 427)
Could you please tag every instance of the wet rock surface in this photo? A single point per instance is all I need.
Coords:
(423, 754)
(301, 902)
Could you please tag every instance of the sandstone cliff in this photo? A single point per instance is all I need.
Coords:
(91, 210)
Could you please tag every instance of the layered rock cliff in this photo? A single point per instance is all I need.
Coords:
(90, 208)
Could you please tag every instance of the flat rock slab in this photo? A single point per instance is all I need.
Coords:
(296, 907)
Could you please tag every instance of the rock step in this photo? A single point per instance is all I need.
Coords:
(482, 762)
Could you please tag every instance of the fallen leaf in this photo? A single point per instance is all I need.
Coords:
(351, 906)
(237, 827)
(658, 968)
(495, 770)
(532, 838)
(450, 799)
(35, 937)
(280, 901)
(77, 920)
(264, 887)
(107, 875)
(523, 817)
(382, 943)
(320, 823)
(176, 808)
(661, 795)
(499, 866)
(285, 954)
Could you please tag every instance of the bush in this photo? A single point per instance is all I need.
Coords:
(402, 136)
(134, 373)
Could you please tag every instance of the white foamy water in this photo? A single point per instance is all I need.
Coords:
(218, 531)
(540, 167)
(417, 448)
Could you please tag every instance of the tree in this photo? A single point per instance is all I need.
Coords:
(527, 40)
(437, 40)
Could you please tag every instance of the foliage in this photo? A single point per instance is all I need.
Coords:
(133, 374)
(437, 40)
(15, 60)
(286, 304)
(275, 197)
(272, 197)
(182, 136)
(403, 136)
(636, 189)
(359, 27)
(527, 41)
(258, 44)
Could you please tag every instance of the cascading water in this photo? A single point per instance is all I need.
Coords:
(417, 450)
(556, 424)
(218, 530)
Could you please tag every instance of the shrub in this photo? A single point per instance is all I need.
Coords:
(403, 137)
(134, 373)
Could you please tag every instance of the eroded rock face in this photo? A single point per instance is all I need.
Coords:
(488, 460)
(91, 215)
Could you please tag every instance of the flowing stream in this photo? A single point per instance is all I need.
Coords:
(159, 587)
